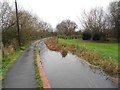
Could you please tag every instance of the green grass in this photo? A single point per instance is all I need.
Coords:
(37, 74)
(105, 50)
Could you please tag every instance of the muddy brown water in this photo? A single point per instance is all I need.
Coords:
(71, 71)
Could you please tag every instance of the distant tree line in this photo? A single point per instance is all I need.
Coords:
(97, 24)
(31, 28)
(66, 29)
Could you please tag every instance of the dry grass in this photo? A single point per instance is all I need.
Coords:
(52, 44)
(109, 66)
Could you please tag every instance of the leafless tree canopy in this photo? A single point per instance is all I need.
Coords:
(66, 27)
(31, 27)
(104, 23)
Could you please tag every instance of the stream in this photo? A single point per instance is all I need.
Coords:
(71, 71)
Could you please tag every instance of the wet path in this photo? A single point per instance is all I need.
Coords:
(71, 72)
(22, 74)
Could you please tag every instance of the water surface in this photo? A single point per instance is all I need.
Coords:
(71, 71)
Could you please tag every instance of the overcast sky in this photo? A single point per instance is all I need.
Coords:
(54, 11)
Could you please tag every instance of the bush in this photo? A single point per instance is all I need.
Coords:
(86, 35)
(97, 36)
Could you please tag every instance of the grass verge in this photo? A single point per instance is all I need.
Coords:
(108, 65)
(8, 61)
(37, 74)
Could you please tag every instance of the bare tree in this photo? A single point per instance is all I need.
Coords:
(5, 14)
(66, 27)
(31, 27)
(114, 18)
(94, 21)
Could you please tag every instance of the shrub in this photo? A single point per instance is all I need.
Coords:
(97, 36)
(86, 35)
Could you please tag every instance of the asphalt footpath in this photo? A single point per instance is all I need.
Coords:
(22, 74)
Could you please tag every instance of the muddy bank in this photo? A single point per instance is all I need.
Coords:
(52, 44)
(108, 66)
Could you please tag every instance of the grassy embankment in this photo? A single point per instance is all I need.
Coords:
(8, 61)
(105, 50)
(104, 55)
(37, 74)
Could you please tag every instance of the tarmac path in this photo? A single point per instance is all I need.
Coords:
(22, 74)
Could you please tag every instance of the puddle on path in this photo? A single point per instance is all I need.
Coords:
(71, 71)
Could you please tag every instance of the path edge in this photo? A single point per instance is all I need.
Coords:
(46, 84)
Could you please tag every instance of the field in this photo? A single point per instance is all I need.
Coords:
(105, 50)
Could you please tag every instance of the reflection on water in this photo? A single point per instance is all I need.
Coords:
(64, 53)
(71, 72)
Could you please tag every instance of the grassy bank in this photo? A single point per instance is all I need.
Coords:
(105, 50)
(89, 51)
(37, 75)
(8, 61)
